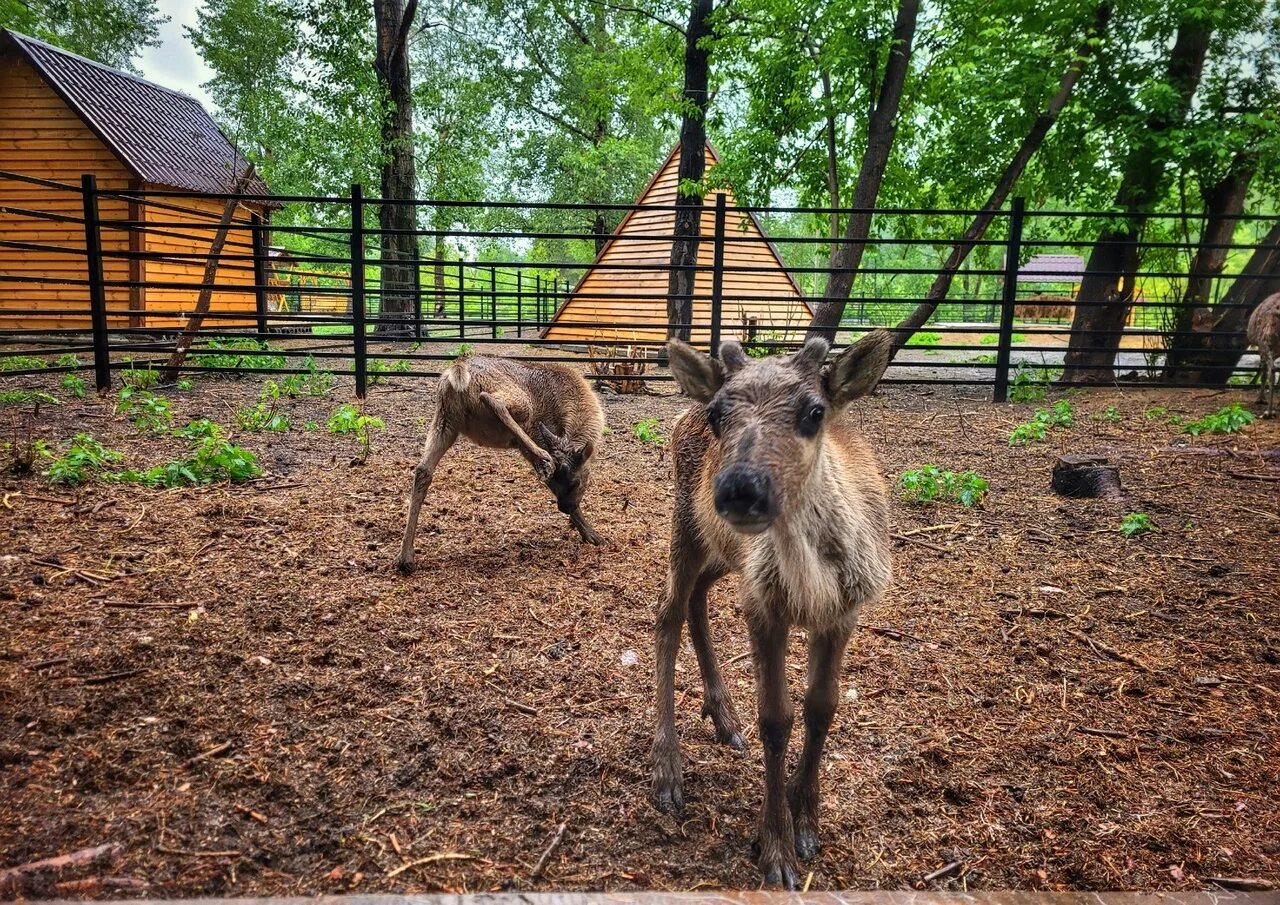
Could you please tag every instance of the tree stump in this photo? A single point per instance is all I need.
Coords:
(1085, 476)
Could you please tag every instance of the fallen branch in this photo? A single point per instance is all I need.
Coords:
(1111, 652)
(1038, 613)
(212, 752)
(523, 708)
(546, 855)
(915, 540)
(108, 677)
(14, 880)
(1242, 884)
(1250, 476)
(93, 884)
(229, 853)
(943, 871)
(438, 856)
(1105, 733)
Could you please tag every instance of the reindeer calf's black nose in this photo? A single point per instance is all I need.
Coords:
(744, 493)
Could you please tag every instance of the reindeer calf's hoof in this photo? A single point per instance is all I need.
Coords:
(404, 566)
(807, 844)
(780, 874)
(668, 796)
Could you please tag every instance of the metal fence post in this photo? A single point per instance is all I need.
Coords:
(493, 302)
(519, 303)
(357, 290)
(417, 290)
(717, 275)
(537, 300)
(462, 301)
(260, 270)
(97, 290)
(1013, 249)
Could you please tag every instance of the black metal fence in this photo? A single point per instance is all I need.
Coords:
(111, 276)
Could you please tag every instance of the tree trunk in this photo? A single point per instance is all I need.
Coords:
(1210, 355)
(1224, 203)
(399, 248)
(882, 127)
(1106, 290)
(1008, 179)
(693, 166)
(203, 301)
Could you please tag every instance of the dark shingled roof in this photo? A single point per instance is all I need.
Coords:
(1052, 269)
(164, 137)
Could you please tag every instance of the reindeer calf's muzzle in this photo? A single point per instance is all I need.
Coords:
(745, 498)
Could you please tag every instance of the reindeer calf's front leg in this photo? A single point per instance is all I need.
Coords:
(777, 834)
(826, 652)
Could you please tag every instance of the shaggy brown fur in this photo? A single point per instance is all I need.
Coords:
(773, 483)
(546, 411)
(1264, 332)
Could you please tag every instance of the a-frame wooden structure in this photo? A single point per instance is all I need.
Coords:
(759, 300)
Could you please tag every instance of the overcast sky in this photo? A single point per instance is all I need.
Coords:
(175, 63)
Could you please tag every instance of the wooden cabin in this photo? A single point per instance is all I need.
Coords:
(760, 302)
(61, 116)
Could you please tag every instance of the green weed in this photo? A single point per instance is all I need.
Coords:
(145, 409)
(347, 419)
(1111, 415)
(213, 460)
(1136, 523)
(22, 363)
(1037, 429)
(27, 397)
(1228, 420)
(75, 385)
(262, 417)
(84, 456)
(646, 431)
(929, 483)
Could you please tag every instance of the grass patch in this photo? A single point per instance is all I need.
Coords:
(929, 484)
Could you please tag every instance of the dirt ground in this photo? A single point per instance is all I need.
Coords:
(245, 697)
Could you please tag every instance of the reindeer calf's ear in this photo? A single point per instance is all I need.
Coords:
(858, 369)
(700, 376)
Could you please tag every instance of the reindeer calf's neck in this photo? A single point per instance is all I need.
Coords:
(825, 555)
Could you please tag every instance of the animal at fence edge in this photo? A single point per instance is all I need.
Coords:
(1264, 332)
(772, 482)
(546, 411)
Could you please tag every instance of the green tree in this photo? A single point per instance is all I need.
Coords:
(113, 32)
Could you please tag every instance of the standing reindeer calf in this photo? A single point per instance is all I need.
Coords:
(773, 483)
(546, 411)
(1264, 332)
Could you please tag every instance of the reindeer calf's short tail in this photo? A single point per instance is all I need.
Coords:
(458, 376)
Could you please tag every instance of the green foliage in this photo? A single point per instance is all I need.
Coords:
(113, 32)
(1155, 413)
(929, 483)
(1037, 429)
(464, 350)
(26, 397)
(75, 385)
(1030, 384)
(646, 431)
(262, 417)
(68, 360)
(378, 369)
(236, 353)
(145, 409)
(347, 419)
(986, 358)
(1228, 420)
(22, 363)
(1111, 415)
(924, 339)
(214, 459)
(1136, 523)
(184, 384)
(84, 456)
(139, 378)
(312, 383)
(199, 429)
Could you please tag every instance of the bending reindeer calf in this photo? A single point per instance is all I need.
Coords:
(1264, 332)
(772, 483)
(546, 411)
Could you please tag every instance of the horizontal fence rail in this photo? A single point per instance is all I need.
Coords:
(106, 277)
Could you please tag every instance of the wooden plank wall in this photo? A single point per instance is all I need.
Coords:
(616, 298)
(40, 136)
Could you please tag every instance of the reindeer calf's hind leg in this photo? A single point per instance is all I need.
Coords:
(438, 444)
(541, 460)
(686, 563)
(716, 704)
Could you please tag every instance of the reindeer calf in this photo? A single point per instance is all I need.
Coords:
(546, 411)
(772, 482)
(1264, 332)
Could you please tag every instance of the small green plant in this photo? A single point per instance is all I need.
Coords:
(986, 358)
(465, 350)
(68, 360)
(379, 369)
(84, 456)
(24, 448)
(145, 409)
(184, 384)
(27, 397)
(646, 431)
(1136, 523)
(1110, 414)
(213, 460)
(199, 429)
(1037, 429)
(139, 378)
(234, 354)
(75, 385)
(311, 426)
(262, 417)
(1229, 420)
(929, 483)
(924, 339)
(991, 339)
(347, 419)
(22, 363)
(1155, 413)
(1030, 384)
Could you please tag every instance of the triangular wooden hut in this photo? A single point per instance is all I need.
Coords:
(760, 299)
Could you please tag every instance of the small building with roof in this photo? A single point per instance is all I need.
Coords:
(622, 297)
(61, 116)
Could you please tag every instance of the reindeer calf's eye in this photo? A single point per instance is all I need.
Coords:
(810, 420)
